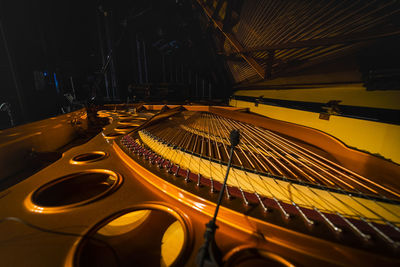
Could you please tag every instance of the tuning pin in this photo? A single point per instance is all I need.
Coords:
(161, 163)
(187, 175)
(198, 179)
(169, 169)
(177, 170)
(246, 202)
(228, 195)
(212, 185)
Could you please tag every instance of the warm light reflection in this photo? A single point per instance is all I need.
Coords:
(199, 206)
(13, 134)
(37, 209)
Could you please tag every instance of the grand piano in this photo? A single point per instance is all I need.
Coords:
(314, 179)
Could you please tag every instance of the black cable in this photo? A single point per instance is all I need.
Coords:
(209, 235)
(84, 236)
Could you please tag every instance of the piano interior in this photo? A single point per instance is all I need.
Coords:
(312, 87)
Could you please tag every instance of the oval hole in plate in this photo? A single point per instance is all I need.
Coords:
(143, 237)
(256, 258)
(75, 189)
(89, 157)
(112, 135)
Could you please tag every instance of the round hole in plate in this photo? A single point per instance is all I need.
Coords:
(125, 128)
(141, 118)
(104, 115)
(129, 121)
(255, 258)
(148, 236)
(112, 135)
(74, 190)
(89, 157)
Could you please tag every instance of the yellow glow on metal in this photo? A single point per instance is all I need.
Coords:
(172, 243)
(353, 94)
(125, 223)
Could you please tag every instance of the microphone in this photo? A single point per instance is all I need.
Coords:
(208, 254)
(234, 137)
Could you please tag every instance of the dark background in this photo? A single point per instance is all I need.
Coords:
(103, 51)
(158, 48)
